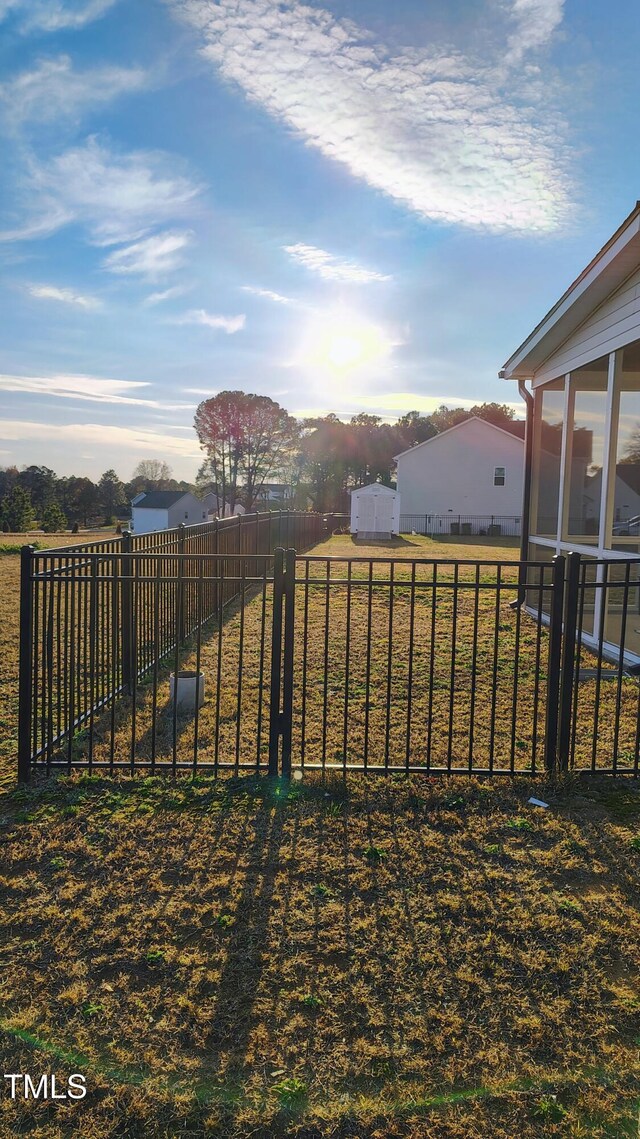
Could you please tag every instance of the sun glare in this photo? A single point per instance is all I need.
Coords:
(339, 346)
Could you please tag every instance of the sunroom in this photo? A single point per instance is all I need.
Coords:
(582, 454)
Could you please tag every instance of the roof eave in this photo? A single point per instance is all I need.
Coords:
(602, 276)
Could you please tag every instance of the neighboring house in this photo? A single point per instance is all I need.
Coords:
(217, 508)
(626, 498)
(165, 509)
(474, 469)
(583, 364)
(274, 494)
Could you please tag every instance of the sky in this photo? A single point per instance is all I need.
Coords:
(349, 206)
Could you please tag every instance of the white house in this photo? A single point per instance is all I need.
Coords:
(474, 470)
(275, 494)
(375, 511)
(165, 509)
(583, 434)
(217, 508)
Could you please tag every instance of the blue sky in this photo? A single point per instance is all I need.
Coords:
(348, 206)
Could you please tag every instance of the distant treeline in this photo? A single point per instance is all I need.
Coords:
(37, 495)
(324, 458)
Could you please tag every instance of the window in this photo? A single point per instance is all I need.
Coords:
(585, 452)
(499, 476)
(549, 409)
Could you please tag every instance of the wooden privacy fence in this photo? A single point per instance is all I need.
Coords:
(325, 663)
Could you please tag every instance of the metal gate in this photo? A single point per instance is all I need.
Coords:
(475, 667)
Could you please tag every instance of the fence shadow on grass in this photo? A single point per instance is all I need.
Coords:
(418, 959)
(227, 1041)
(398, 543)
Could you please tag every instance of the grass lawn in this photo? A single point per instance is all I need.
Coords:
(399, 957)
(411, 957)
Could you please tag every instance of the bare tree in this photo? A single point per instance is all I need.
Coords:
(632, 448)
(153, 470)
(248, 439)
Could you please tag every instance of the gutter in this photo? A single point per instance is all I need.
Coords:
(526, 395)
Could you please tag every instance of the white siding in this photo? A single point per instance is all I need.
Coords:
(189, 510)
(454, 471)
(614, 323)
(146, 521)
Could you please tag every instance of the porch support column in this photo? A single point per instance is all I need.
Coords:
(607, 484)
(528, 460)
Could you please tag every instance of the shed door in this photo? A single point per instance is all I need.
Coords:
(384, 513)
(366, 512)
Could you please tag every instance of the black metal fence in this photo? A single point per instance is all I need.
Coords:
(98, 620)
(493, 525)
(330, 663)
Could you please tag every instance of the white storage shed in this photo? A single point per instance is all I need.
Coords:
(375, 511)
(153, 510)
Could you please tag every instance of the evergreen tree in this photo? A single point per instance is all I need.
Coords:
(40, 484)
(16, 510)
(111, 493)
(53, 519)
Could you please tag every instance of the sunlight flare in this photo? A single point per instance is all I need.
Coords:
(338, 345)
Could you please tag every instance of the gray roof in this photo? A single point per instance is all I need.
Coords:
(160, 499)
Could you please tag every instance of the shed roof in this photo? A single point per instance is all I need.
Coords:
(608, 270)
(376, 487)
(158, 499)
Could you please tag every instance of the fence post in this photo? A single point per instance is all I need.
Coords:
(287, 672)
(276, 659)
(182, 630)
(127, 613)
(572, 589)
(25, 682)
(554, 664)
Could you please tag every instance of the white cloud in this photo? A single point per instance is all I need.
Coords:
(165, 295)
(152, 257)
(268, 295)
(54, 15)
(93, 388)
(228, 324)
(67, 296)
(53, 88)
(104, 438)
(451, 136)
(536, 21)
(117, 197)
(52, 218)
(330, 267)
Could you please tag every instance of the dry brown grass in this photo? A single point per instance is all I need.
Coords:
(389, 957)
